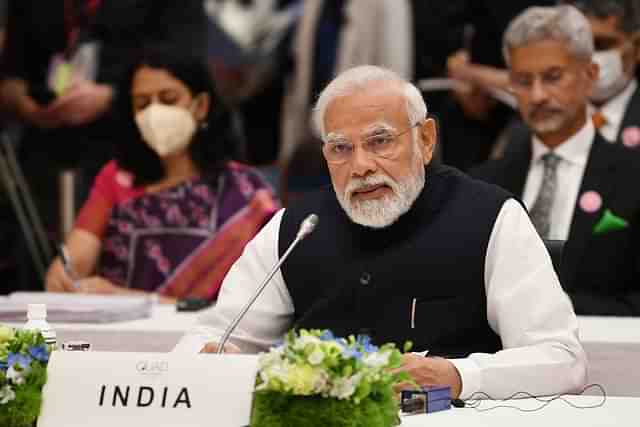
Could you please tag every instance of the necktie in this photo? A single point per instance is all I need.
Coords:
(541, 210)
(598, 119)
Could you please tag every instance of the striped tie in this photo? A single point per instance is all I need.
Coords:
(541, 210)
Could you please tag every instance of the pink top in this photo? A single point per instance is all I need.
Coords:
(111, 186)
(174, 263)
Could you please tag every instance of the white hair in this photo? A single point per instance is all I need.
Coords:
(561, 23)
(358, 79)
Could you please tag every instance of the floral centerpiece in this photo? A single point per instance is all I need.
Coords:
(316, 379)
(23, 373)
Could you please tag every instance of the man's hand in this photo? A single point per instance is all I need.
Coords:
(430, 371)
(82, 103)
(212, 347)
(37, 115)
(457, 64)
(16, 101)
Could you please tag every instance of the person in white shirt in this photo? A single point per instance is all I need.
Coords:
(576, 185)
(406, 250)
(375, 32)
(615, 25)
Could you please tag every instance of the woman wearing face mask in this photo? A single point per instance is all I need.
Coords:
(170, 214)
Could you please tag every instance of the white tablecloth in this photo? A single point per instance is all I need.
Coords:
(159, 333)
(612, 344)
(613, 348)
(617, 411)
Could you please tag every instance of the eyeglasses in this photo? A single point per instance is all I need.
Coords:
(550, 79)
(381, 142)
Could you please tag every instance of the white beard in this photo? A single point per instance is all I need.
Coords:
(384, 211)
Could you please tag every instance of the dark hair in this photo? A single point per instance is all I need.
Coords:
(212, 144)
(627, 11)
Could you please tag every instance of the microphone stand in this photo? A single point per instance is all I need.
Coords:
(306, 228)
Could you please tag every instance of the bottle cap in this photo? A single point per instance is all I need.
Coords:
(36, 311)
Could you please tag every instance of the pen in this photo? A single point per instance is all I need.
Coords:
(413, 314)
(67, 265)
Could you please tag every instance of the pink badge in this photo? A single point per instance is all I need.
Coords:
(590, 202)
(631, 136)
(124, 179)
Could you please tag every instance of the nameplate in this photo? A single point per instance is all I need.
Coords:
(104, 389)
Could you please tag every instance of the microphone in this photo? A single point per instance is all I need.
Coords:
(306, 228)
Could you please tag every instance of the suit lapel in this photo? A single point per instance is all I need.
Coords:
(517, 163)
(631, 115)
(597, 178)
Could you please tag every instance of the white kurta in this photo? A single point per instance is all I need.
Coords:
(525, 306)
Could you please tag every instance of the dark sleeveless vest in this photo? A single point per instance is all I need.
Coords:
(353, 279)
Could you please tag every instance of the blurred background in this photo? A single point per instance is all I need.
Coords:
(61, 92)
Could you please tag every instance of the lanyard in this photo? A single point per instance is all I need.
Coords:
(76, 17)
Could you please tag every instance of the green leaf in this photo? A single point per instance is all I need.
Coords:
(609, 222)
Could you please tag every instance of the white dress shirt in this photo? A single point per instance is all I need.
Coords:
(525, 306)
(573, 154)
(614, 111)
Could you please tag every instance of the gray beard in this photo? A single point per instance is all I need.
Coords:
(547, 126)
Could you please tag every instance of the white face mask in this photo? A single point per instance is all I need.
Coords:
(167, 129)
(612, 79)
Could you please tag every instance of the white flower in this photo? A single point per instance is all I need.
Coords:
(316, 357)
(321, 382)
(377, 360)
(272, 357)
(343, 388)
(6, 395)
(279, 371)
(302, 342)
(16, 376)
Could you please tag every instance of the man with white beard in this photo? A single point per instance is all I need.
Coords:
(406, 250)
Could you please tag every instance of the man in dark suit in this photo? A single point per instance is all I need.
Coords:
(440, 31)
(577, 186)
(616, 29)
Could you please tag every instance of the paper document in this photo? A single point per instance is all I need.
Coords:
(446, 84)
(69, 308)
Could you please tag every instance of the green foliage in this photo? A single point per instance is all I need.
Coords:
(316, 379)
(23, 373)
(23, 340)
(272, 409)
(317, 363)
(25, 408)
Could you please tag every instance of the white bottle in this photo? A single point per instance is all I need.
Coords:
(37, 320)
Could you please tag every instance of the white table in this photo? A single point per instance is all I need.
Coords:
(159, 333)
(612, 345)
(617, 411)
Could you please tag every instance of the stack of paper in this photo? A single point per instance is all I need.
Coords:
(76, 307)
